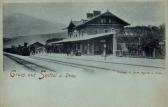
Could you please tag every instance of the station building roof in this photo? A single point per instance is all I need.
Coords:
(85, 37)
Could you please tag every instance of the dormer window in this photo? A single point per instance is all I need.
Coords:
(75, 33)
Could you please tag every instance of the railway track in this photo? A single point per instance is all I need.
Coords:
(27, 64)
(148, 66)
(36, 67)
(82, 66)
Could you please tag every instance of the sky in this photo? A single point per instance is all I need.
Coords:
(135, 13)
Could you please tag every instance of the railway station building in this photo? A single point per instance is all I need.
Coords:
(95, 35)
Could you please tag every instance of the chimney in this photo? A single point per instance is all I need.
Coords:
(89, 15)
(95, 13)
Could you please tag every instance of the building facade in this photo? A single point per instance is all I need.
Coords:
(95, 35)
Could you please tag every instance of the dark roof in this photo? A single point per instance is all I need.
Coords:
(107, 12)
(76, 23)
(83, 22)
(84, 38)
(37, 44)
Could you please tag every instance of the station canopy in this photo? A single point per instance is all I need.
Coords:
(82, 38)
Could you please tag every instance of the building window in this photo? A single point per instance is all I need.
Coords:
(102, 20)
(82, 33)
(75, 33)
(109, 20)
(70, 35)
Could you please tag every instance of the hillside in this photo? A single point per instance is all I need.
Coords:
(42, 38)
(24, 25)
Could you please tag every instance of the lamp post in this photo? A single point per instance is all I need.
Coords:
(139, 43)
(104, 49)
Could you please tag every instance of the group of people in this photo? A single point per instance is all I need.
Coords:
(70, 52)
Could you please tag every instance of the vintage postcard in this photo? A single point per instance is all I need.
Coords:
(84, 54)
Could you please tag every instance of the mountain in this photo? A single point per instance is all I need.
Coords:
(42, 38)
(23, 25)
